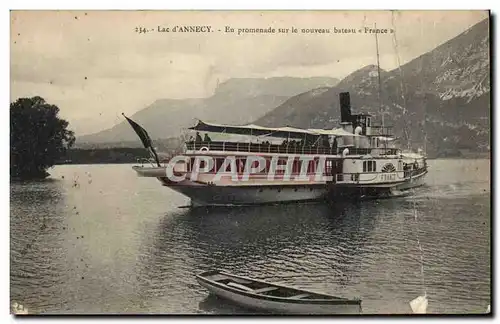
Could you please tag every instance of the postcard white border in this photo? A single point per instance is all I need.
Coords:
(189, 4)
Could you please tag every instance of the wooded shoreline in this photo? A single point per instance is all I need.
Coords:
(135, 154)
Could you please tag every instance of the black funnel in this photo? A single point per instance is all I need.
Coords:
(345, 107)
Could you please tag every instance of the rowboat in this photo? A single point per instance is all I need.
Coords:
(274, 298)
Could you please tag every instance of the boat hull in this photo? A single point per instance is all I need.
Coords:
(279, 305)
(414, 182)
(206, 195)
(337, 191)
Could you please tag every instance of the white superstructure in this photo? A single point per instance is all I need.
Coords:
(358, 158)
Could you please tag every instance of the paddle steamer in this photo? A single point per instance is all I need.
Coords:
(287, 164)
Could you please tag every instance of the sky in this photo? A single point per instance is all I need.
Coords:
(94, 65)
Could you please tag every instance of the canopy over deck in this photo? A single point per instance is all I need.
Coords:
(256, 130)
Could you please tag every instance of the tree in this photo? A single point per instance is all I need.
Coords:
(38, 138)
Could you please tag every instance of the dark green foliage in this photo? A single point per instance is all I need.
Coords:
(38, 138)
(105, 155)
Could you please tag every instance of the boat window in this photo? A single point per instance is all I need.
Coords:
(255, 164)
(218, 164)
(329, 166)
(281, 162)
(311, 167)
(295, 166)
(369, 166)
(241, 165)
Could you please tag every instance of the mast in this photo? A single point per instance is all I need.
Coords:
(379, 84)
(406, 130)
(425, 134)
(424, 106)
(378, 75)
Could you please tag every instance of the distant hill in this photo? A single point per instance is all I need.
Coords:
(444, 93)
(278, 86)
(236, 101)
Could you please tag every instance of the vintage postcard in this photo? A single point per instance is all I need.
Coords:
(250, 162)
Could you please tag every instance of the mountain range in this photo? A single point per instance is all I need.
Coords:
(443, 95)
(236, 101)
(441, 98)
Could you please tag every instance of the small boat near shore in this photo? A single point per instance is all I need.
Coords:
(274, 298)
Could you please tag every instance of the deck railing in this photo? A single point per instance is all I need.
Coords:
(143, 161)
(382, 130)
(285, 149)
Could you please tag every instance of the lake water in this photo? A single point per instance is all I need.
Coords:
(117, 243)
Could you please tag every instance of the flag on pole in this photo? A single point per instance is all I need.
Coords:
(145, 139)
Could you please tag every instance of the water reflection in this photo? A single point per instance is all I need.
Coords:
(280, 242)
(215, 305)
(120, 245)
(315, 246)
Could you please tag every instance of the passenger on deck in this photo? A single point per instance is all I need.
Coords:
(334, 144)
(198, 137)
(325, 141)
(207, 138)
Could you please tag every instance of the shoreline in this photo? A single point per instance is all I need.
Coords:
(486, 157)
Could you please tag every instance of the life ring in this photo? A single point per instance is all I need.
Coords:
(204, 149)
